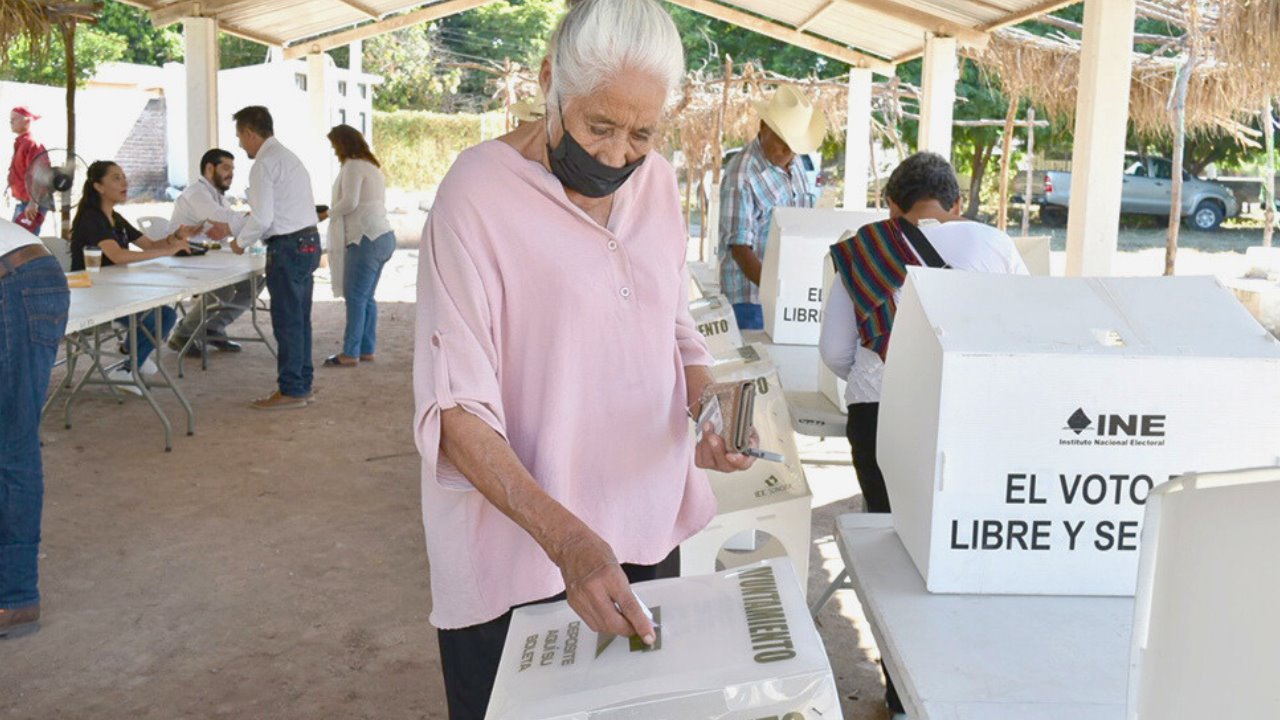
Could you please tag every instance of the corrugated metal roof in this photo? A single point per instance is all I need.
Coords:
(892, 30)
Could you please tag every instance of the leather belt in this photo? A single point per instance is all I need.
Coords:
(14, 259)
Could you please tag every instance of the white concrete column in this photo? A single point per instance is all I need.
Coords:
(320, 153)
(938, 94)
(356, 51)
(857, 145)
(1102, 116)
(200, 40)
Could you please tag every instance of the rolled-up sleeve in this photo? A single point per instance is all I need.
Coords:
(455, 361)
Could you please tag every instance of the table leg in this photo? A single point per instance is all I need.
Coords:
(841, 582)
(135, 366)
(253, 315)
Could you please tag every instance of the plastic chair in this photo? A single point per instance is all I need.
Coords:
(60, 249)
(154, 226)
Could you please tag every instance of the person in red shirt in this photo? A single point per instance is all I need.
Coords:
(25, 149)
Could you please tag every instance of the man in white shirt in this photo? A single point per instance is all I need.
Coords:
(33, 317)
(206, 200)
(923, 197)
(924, 228)
(283, 217)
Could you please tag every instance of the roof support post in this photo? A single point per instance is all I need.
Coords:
(1102, 116)
(938, 94)
(320, 162)
(200, 44)
(857, 147)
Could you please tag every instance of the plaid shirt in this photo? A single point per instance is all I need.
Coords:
(752, 187)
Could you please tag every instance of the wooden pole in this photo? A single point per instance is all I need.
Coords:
(1269, 181)
(1031, 163)
(1002, 218)
(1179, 148)
(68, 29)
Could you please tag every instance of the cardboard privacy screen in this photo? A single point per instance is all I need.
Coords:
(734, 646)
(791, 277)
(1206, 635)
(1024, 420)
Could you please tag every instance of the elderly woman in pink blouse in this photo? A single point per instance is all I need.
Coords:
(556, 361)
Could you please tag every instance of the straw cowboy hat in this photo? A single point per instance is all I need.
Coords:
(792, 117)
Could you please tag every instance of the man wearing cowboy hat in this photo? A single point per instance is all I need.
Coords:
(766, 174)
(25, 149)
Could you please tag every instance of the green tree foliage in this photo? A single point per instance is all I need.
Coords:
(413, 77)
(93, 47)
(145, 44)
(234, 52)
(707, 40)
(489, 35)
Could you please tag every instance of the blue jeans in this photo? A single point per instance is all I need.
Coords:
(33, 318)
(291, 259)
(22, 208)
(363, 268)
(750, 316)
(168, 317)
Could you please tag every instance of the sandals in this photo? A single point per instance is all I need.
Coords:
(340, 360)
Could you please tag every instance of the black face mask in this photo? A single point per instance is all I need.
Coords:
(579, 171)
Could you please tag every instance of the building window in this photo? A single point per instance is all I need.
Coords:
(300, 79)
(342, 88)
(342, 117)
(364, 91)
(364, 127)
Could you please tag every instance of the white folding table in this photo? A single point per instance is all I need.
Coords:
(128, 291)
(986, 657)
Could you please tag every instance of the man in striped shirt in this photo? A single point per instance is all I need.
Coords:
(766, 174)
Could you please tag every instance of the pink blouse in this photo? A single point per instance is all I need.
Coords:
(570, 340)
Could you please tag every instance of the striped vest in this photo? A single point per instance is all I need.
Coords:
(872, 264)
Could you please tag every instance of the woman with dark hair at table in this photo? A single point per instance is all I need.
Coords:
(98, 225)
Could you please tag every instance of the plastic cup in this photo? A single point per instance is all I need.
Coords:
(92, 259)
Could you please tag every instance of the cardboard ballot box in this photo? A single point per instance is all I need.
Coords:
(714, 318)
(1024, 420)
(769, 496)
(739, 645)
(791, 279)
(1206, 635)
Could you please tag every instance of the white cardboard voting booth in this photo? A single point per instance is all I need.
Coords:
(1024, 420)
(1034, 250)
(791, 277)
(769, 496)
(1206, 634)
(734, 646)
(714, 318)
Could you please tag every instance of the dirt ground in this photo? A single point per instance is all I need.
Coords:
(272, 566)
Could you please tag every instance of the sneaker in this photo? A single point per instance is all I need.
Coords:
(19, 621)
(278, 401)
(149, 367)
(124, 376)
(230, 346)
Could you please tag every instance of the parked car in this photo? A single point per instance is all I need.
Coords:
(1147, 190)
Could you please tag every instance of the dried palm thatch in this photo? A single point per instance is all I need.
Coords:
(1245, 39)
(25, 19)
(1046, 72)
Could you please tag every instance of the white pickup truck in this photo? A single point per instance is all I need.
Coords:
(1147, 191)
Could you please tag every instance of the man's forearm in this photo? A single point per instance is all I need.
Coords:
(748, 261)
(492, 467)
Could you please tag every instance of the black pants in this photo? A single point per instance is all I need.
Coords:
(861, 431)
(469, 656)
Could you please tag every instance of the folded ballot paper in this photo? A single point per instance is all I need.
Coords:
(738, 645)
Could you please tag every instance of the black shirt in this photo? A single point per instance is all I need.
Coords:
(92, 227)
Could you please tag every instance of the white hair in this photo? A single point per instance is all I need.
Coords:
(597, 39)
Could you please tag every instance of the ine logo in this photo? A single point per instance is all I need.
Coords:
(1115, 429)
(1078, 422)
